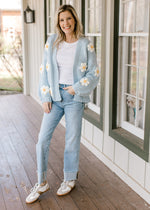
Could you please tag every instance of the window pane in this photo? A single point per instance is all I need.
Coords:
(91, 21)
(98, 49)
(132, 51)
(140, 116)
(143, 51)
(131, 80)
(130, 109)
(50, 25)
(128, 16)
(142, 83)
(134, 16)
(98, 15)
(140, 18)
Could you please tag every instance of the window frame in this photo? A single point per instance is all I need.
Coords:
(92, 115)
(135, 144)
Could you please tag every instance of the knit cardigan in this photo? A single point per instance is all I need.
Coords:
(85, 72)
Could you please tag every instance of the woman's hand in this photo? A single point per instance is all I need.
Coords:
(47, 106)
(70, 90)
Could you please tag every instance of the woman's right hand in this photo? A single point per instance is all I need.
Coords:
(47, 106)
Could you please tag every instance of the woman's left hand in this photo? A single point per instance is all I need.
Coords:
(70, 90)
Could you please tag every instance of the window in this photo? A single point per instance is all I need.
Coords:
(52, 6)
(133, 47)
(93, 30)
(130, 89)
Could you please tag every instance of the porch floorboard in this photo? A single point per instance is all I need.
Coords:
(96, 188)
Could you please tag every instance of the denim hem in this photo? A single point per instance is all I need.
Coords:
(41, 176)
(68, 176)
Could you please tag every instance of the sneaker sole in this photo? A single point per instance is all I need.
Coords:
(66, 193)
(38, 197)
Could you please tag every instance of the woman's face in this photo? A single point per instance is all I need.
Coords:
(66, 22)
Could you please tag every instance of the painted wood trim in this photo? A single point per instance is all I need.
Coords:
(130, 141)
(147, 109)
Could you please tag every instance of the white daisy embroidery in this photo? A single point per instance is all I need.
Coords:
(97, 72)
(44, 89)
(83, 67)
(84, 81)
(47, 66)
(90, 47)
(41, 68)
(46, 46)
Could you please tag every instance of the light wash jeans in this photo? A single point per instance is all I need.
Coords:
(73, 111)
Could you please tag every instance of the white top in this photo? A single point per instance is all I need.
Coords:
(65, 61)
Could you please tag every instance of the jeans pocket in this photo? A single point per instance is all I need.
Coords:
(69, 94)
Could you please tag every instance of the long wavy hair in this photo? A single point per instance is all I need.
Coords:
(77, 29)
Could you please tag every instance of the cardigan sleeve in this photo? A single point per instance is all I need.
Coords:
(44, 86)
(90, 80)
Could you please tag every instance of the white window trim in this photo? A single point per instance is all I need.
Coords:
(132, 129)
(94, 108)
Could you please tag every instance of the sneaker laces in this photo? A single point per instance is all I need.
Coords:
(33, 189)
(63, 185)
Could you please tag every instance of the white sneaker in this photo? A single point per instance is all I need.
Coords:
(66, 187)
(36, 191)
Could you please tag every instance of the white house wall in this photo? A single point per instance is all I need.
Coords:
(33, 42)
(129, 167)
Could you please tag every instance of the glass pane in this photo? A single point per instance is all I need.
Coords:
(70, 2)
(98, 50)
(143, 51)
(132, 50)
(90, 21)
(49, 3)
(91, 4)
(142, 83)
(128, 16)
(98, 15)
(77, 6)
(140, 116)
(130, 109)
(140, 9)
(131, 80)
(50, 25)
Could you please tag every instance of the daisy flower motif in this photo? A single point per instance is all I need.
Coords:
(47, 66)
(84, 81)
(83, 67)
(44, 89)
(90, 47)
(97, 72)
(46, 46)
(41, 68)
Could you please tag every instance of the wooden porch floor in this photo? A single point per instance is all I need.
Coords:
(96, 188)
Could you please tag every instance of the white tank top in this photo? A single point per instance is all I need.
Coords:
(65, 60)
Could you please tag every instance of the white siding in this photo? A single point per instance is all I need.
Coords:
(98, 138)
(137, 168)
(121, 160)
(88, 131)
(34, 42)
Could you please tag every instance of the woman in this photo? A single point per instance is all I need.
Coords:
(68, 74)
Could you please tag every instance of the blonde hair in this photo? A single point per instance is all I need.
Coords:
(78, 26)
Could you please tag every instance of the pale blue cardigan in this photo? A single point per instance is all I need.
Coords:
(85, 72)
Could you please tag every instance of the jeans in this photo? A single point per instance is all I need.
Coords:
(73, 112)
